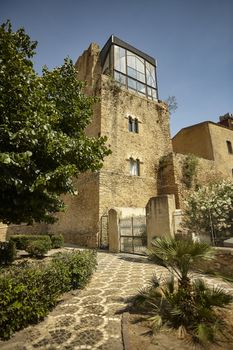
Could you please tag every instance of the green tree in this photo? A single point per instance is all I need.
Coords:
(42, 139)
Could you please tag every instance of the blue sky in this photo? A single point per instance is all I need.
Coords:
(191, 39)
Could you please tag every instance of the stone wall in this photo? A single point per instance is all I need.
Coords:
(79, 223)
(171, 176)
(187, 140)
(7, 231)
(223, 262)
(117, 186)
(223, 159)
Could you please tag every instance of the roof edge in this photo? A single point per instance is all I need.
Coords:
(115, 40)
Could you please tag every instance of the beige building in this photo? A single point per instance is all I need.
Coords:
(211, 144)
(209, 140)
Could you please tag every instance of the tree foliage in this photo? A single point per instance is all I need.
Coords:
(42, 139)
(210, 208)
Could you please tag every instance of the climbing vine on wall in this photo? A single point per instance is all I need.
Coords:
(189, 170)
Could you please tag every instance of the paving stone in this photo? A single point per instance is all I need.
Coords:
(91, 318)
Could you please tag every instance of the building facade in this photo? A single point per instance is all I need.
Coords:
(209, 140)
(136, 124)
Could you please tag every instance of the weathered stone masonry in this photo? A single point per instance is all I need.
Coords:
(113, 186)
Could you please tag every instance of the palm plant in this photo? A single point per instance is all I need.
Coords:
(189, 306)
(178, 256)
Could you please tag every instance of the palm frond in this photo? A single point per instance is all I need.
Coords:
(156, 322)
(178, 255)
(182, 332)
(204, 333)
(210, 297)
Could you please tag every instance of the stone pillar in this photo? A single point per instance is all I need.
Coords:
(3, 231)
(159, 217)
(113, 231)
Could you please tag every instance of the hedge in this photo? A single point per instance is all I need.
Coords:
(38, 248)
(29, 292)
(21, 241)
(57, 241)
(7, 252)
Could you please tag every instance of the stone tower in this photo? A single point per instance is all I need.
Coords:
(136, 124)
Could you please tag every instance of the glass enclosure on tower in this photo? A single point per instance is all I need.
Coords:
(130, 67)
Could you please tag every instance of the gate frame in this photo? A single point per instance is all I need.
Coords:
(132, 236)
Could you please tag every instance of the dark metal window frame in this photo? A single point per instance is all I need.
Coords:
(108, 49)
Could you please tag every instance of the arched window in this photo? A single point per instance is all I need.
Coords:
(130, 124)
(133, 125)
(134, 167)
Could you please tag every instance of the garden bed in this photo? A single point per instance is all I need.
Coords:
(140, 336)
(30, 288)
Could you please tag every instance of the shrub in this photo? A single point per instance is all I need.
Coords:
(210, 209)
(21, 241)
(184, 304)
(7, 252)
(75, 262)
(57, 241)
(38, 248)
(28, 292)
(189, 169)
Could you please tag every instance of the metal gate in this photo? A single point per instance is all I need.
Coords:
(133, 237)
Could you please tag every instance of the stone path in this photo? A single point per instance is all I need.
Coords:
(91, 318)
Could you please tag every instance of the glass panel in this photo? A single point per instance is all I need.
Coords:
(140, 73)
(141, 77)
(154, 94)
(132, 72)
(119, 59)
(140, 65)
(132, 84)
(150, 74)
(141, 88)
(149, 92)
(120, 78)
(131, 60)
(135, 67)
